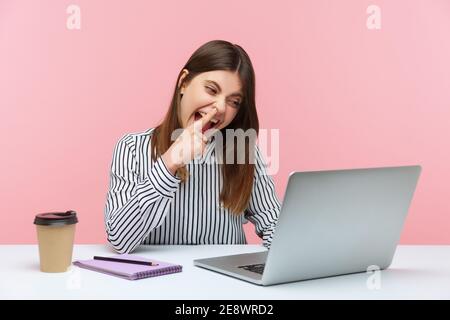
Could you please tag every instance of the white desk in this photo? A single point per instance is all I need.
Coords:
(417, 272)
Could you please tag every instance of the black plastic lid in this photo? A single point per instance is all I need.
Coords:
(56, 218)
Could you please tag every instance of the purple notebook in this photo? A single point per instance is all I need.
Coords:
(127, 270)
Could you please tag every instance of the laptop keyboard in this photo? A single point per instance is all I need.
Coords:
(257, 268)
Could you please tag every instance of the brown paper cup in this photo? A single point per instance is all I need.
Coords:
(55, 232)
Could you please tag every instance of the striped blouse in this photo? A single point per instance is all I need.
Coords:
(147, 204)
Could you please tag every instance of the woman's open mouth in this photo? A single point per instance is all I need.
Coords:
(214, 123)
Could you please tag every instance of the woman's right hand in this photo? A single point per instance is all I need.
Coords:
(190, 144)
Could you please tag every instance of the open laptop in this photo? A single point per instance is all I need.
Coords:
(331, 223)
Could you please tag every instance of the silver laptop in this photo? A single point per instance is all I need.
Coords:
(331, 223)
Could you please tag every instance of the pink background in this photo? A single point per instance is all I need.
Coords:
(342, 96)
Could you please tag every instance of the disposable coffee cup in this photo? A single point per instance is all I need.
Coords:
(55, 232)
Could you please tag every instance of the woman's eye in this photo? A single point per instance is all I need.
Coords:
(236, 103)
(211, 89)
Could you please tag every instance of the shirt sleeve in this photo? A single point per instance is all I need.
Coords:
(264, 206)
(133, 207)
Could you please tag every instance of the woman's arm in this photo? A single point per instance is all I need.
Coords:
(264, 207)
(134, 208)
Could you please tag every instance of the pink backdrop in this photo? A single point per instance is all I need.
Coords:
(342, 95)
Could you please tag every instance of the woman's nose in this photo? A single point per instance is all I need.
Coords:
(220, 107)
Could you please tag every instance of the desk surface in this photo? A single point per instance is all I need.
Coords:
(417, 272)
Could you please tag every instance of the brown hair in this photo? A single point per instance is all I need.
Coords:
(237, 178)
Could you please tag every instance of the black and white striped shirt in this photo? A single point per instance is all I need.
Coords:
(147, 204)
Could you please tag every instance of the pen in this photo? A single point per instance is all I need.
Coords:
(145, 263)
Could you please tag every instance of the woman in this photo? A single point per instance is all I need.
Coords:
(190, 191)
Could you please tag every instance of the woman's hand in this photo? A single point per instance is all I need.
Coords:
(190, 144)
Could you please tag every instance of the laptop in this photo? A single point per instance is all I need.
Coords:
(331, 223)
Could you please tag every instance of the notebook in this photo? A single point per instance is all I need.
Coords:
(127, 270)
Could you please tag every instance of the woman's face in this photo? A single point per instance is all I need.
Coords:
(220, 89)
